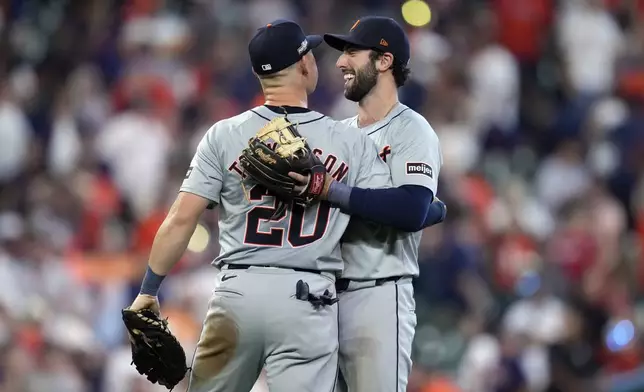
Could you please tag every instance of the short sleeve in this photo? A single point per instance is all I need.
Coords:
(204, 176)
(373, 171)
(416, 157)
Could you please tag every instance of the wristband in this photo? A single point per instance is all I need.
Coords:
(151, 282)
(339, 194)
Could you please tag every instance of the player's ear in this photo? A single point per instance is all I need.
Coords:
(384, 62)
(303, 66)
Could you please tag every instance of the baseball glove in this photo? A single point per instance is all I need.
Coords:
(278, 149)
(156, 353)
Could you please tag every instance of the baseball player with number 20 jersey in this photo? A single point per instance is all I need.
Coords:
(274, 305)
(377, 307)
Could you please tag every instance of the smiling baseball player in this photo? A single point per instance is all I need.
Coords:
(377, 307)
(274, 303)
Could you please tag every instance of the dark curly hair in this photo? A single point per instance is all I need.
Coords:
(399, 70)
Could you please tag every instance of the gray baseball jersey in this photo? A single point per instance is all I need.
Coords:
(411, 149)
(298, 238)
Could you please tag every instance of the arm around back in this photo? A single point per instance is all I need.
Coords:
(404, 208)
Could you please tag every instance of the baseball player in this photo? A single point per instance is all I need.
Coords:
(377, 307)
(273, 305)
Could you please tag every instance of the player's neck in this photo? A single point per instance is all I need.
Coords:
(281, 97)
(377, 104)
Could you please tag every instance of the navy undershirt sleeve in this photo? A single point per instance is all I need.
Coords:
(405, 208)
(436, 214)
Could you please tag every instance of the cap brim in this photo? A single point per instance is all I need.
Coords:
(340, 41)
(314, 40)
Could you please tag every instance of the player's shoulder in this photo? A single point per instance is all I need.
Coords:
(348, 141)
(234, 122)
(411, 119)
(413, 125)
(229, 126)
(342, 130)
(351, 121)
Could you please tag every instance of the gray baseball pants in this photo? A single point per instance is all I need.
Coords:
(255, 320)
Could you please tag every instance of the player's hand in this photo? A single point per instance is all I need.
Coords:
(144, 301)
(304, 182)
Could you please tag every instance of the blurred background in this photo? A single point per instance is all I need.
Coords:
(534, 282)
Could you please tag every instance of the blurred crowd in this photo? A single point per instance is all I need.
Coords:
(531, 285)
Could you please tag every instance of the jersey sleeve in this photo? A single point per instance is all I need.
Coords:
(204, 176)
(373, 172)
(416, 157)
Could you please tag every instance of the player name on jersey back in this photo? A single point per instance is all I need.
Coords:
(410, 147)
(249, 233)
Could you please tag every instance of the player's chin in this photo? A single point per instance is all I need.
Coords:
(351, 95)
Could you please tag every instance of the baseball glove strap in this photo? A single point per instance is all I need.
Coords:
(316, 181)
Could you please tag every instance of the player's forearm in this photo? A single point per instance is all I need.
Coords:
(436, 213)
(169, 245)
(404, 208)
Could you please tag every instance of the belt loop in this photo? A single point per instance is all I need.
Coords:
(342, 285)
(395, 279)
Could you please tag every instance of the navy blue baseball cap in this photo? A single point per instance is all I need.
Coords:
(278, 45)
(374, 32)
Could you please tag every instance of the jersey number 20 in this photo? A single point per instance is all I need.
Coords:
(275, 235)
